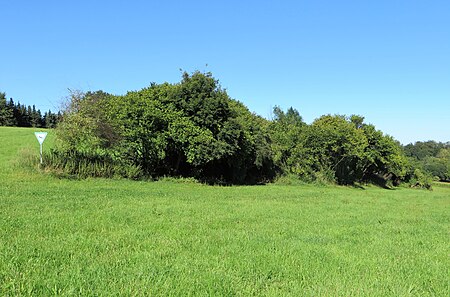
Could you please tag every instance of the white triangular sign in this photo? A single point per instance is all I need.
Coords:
(40, 136)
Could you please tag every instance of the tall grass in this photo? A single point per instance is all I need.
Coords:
(81, 166)
(75, 165)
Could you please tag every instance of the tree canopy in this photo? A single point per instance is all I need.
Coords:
(431, 157)
(192, 128)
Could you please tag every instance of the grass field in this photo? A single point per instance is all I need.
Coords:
(118, 237)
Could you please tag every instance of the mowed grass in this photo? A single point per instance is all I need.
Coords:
(118, 237)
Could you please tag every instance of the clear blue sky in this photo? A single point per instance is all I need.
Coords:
(387, 60)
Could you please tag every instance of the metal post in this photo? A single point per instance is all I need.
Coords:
(41, 152)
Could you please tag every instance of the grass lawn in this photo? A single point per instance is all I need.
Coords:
(168, 238)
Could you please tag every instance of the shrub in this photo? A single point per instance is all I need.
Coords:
(421, 180)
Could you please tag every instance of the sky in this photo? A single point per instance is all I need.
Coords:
(387, 60)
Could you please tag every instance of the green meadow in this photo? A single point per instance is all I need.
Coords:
(99, 237)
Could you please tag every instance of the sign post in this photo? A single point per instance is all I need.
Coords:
(40, 137)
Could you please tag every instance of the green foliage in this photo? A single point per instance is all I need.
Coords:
(336, 145)
(438, 167)
(6, 113)
(286, 136)
(187, 129)
(420, 180)
(335, 149)
(194, 129)
(431, 157)
(420, 150)
(383, 158)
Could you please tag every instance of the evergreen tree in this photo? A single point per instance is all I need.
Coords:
(35, 117)
(6, 113)
(49, 120)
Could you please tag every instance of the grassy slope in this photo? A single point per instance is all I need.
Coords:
(108, 237)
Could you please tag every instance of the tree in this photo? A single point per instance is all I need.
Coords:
(35, 117)
(191, 128)
(421, 150)
(6, 113)
(431, 157)
(337, 147)
(383, 158)
(286, 135)
(49, 119)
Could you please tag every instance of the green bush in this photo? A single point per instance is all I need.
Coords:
(420, 179)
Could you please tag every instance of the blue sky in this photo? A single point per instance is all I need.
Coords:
(388, 60)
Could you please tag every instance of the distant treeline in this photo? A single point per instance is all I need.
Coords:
(194, 129)
(431, 157)
(19, 115)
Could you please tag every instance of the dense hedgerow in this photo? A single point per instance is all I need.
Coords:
(194, 129)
